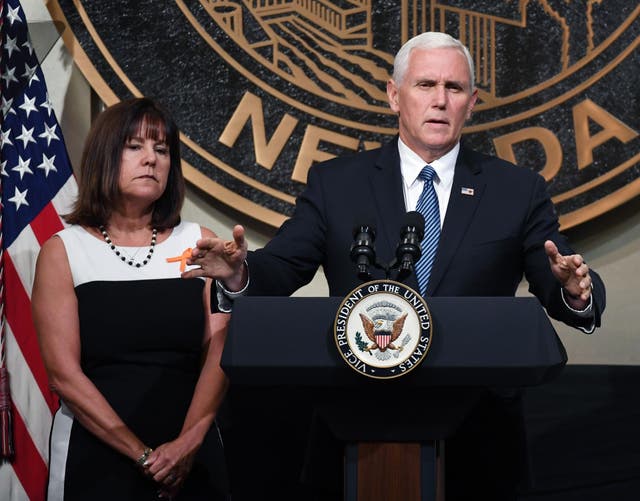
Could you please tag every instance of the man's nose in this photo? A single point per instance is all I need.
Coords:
(440, 96)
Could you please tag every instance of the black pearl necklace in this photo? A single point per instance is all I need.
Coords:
(124, 259)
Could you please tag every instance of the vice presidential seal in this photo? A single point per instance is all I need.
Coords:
(383, 329)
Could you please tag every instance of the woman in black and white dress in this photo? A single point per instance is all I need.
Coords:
(130, 347)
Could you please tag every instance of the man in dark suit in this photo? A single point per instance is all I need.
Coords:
(497, 222)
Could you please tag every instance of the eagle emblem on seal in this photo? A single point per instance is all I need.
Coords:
(382, 331)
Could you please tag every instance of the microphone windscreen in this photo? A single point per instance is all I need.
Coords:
(414, 218)
(363, 224)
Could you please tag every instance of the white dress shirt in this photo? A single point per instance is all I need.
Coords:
(410, 167)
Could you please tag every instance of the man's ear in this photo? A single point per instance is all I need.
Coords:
(392, 95)
(472, 103)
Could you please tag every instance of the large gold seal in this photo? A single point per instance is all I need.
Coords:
(262, 90)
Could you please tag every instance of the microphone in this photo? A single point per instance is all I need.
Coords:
(362, 250)
(408, 251)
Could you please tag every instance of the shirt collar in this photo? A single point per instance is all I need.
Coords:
(411, 164)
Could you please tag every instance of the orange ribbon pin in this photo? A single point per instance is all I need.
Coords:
(182, 259)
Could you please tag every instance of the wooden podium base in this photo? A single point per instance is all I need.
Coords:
(379, 471)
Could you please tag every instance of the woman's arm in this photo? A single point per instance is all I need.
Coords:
(170, 463)
(55, 315)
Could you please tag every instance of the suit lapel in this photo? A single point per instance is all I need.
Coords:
(386, 186)
(466, 193)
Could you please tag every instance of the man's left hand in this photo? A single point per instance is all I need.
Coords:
(572, 273)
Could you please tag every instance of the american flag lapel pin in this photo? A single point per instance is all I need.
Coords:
(467, 191)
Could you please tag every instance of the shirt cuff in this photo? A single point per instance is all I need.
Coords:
(587, 312)
(226, 297)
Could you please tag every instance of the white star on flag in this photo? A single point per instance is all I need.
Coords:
(23, 166)
(29, 105)
(27, 45)
(11, 45)
(47, 164)
(30, 74)
(26, 137)
(8, 76)
(6, 107)
(5, 137)
(19, 198)
(14, 15)
(47, 105)
(49, 133)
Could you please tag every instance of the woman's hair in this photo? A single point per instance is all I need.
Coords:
(430, 40)
(99, 191)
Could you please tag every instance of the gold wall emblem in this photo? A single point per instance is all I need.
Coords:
(262, 89)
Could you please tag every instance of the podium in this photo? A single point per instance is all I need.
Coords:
(399, 424)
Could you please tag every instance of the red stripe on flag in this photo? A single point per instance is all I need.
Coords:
(28, 464)
(46, 223)
(18, 314)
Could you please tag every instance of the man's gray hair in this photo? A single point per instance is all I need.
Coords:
(430, 40)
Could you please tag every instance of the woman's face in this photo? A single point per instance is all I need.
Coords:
(144, 167)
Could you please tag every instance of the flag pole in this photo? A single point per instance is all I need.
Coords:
(6, 429)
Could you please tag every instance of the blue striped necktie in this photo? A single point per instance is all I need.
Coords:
(428, 207)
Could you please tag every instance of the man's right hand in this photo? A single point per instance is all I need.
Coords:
(222, 260)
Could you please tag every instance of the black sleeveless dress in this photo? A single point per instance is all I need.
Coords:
(141, 333)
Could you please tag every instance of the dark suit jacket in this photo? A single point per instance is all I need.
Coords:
(489, 239)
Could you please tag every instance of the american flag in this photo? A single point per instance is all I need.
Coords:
(37, 185)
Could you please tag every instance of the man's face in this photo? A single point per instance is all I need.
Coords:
(433, 101)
